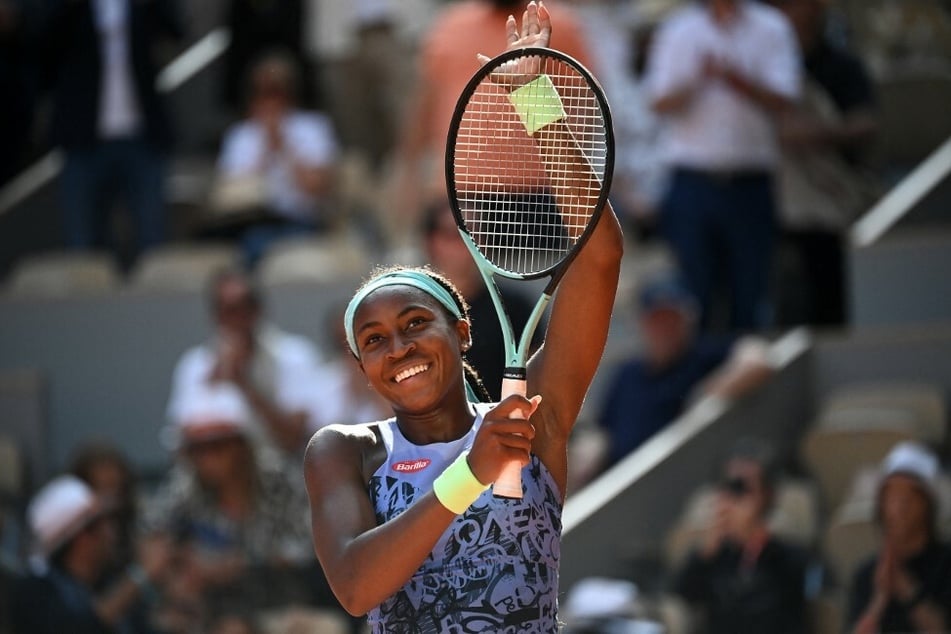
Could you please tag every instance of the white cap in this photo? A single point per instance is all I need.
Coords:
(209, 411)
(915, 460)
(599, 597)
(60, 510)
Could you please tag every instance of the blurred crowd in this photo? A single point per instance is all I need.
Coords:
(746, 135)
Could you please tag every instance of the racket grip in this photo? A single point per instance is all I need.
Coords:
(509, 482)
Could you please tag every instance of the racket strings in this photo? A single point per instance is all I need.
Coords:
(522, 200)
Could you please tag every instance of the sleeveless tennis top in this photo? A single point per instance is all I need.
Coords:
(494, 569)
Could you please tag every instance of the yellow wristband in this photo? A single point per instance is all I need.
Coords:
(456, 488)
(537, 104)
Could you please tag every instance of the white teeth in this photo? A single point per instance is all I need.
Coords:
(405, 374)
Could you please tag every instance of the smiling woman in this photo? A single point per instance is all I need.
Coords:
(402, 519)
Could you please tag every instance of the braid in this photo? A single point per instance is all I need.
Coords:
(472, 375)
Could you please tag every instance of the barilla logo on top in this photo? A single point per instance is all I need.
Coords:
(411, 466)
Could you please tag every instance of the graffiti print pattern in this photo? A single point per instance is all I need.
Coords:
(495, 569)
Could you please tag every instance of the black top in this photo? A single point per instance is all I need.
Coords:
(72, 63)
(931, 570)
(842, 75)
(54, 603)
(766, 596)
(844, 78)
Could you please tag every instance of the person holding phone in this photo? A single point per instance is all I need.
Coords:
(742, 578)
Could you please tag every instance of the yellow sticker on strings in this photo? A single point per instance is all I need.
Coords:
(537, 104)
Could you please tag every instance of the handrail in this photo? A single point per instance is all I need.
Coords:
(185, 66)
(586, 502)
(902, 198)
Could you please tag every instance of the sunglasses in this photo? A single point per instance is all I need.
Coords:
(736, 487)
(213, 445)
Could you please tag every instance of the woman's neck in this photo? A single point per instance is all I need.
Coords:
(442, 425)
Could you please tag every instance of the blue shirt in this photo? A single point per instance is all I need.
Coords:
(642, 400)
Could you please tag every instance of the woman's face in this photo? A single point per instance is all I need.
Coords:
(216, 461)
(903, 507)
(409, 348)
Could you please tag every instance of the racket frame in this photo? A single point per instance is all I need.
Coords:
(516, 351)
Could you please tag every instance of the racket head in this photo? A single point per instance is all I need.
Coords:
(500, 193)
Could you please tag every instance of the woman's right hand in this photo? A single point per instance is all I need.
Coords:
(503, 439)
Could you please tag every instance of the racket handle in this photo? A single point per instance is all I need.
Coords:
(509, 482)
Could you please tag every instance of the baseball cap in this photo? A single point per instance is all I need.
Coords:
(60, 511)
(912, 459)
(209, 412)
(666, 292)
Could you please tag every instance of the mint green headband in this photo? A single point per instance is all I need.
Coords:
(416, 279)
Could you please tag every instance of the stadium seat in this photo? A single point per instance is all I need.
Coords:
(834, 455)
(905, 100)
(314, 260)
(63, 274)
(181, 266)
(880, 404)
(851, 535)
(858, 424)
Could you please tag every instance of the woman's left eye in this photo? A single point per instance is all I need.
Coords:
(416, 321)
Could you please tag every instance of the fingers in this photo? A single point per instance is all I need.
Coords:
(530, 25)
(544, 22)
(511, 30)
(514, 405)
(533, 27)
(513, 427)
(498, 443)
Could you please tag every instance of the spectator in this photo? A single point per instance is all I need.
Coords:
(258, 27)
(719, 72)
(620, 36)
(241, 541)
(75, 538)
(906, 586)
(340, 392)
(107, 115)
(447, 60)
(270, 368)
(277, 163)
(652, 389)
(17, 84)
(105, 469)
(447, 253)
(369, 61)
(823, 184)
(741, 577)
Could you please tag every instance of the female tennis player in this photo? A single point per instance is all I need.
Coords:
(403, 522)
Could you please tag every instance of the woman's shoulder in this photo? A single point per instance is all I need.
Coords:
(342, 440)
(341, 435)
(338, 449)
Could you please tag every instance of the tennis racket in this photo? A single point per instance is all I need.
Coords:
(529, 159)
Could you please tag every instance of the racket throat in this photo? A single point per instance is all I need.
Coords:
(514, 381)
